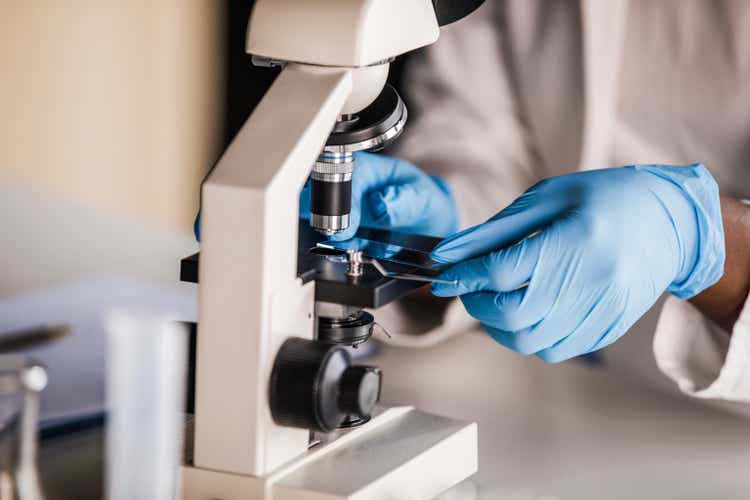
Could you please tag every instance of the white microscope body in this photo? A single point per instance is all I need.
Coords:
(336, 55)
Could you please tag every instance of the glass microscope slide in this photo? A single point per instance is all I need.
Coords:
(387, 252)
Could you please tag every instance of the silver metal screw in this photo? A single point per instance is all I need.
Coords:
(355, 261)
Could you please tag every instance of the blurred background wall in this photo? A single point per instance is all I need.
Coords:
(112, 113)
(117, 104)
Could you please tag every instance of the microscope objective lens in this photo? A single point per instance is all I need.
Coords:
(331, 192)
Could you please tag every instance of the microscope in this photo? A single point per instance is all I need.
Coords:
(281, 411)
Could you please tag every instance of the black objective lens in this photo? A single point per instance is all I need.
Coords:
(331, 198)
(331, 193)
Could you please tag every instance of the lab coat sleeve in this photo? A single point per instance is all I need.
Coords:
(469, 127)
(704, 360)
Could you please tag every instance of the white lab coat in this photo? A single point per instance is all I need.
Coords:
(526, 89)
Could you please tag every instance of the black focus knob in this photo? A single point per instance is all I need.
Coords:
(360, 390)
(314, 386)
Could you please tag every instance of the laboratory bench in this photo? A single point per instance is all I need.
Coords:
(565, 431)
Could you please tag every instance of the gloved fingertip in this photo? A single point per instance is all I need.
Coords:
(444, 256)
(553, 356)
(343, 235)
(437, 258)
(448, 250)
(197, 227)
(444, 290)
(448, 289)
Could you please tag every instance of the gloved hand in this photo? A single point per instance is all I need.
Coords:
(597, 250)
(390, 193)
(393, 194)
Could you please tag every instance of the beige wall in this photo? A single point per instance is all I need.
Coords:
(117, 104)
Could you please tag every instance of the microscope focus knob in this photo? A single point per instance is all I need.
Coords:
(314, 386)
(360, 390)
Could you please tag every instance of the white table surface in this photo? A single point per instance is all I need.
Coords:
(570, 431)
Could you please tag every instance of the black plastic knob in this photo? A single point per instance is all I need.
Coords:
(360, 390)
(450, 11)
(314, 386)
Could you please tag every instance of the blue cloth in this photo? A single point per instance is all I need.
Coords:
(393, 194)
(570, 265)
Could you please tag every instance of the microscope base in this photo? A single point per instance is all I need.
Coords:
(401, 453)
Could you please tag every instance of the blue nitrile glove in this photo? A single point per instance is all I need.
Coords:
(600, 248)
(390, 193)
(197, 226)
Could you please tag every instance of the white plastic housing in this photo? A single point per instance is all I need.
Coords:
(367, 84)
(344, 33)
(402, 453)
(250, 297)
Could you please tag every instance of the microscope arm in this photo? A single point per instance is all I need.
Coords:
(250, 297)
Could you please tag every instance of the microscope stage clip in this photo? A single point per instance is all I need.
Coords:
(356, 258)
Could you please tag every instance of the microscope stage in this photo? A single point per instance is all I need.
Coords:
(407, 253)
